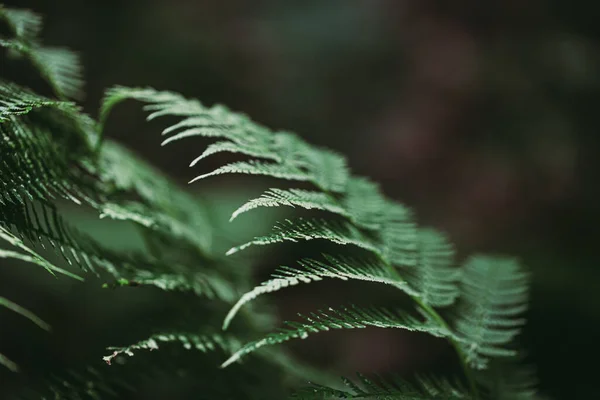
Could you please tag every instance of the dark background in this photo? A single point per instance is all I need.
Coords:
(482, 116)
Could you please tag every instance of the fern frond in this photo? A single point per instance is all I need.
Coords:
(399, 236)
(64, 119)
(341, 267)
(117, 94)
(321, 172)
(369, 221)
(29, 255)
(60, 67)
(202, 283)
(43, 227)
(388, 388)
(165, 206)
(328, 169)
(339, 232)
(435, 278)
(38, 167)
(365, 203)
(246, 148)
(493, 298)
(291, 158)
(347, 318)
(203, 343)
(147, 217)
(280, 171)
(307, 199)
(24, 23)
(15, 100)
(126, 172)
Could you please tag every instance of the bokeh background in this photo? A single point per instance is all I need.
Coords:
(482, 116)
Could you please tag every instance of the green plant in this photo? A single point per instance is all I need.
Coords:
(52, 153)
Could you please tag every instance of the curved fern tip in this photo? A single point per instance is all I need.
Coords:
(232, 313)
(231, 251)
(235, 357)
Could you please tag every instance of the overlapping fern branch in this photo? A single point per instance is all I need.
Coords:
(50, 155)
(491, 291)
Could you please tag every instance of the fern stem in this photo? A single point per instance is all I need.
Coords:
(98, 145)
(466, 370)
(438, 318)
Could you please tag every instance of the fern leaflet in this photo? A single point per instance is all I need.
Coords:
(310, 229)
(60, 67)
(203, 343)
(364, 269)
(347, 318)
(494, 295)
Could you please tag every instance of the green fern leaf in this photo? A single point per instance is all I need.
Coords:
(434, 278)
(327, 170)
(15, 100)
(250, 140)
(365, 203)
(347, 318)
(249, 149)
(494, 296)
(37, 167)
(60, 67)
(202, 283)
(117, 94)
(307, 199)
(43, 227)
(363, 269)
(25, 24)
(167, 207)
(162, 223)
(203, 343)
(369, 220)
(29, 255)
(339, 232)
(399, 235)
(292, 158)
(281, 171)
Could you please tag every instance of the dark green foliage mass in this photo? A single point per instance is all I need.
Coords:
(52, 153)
